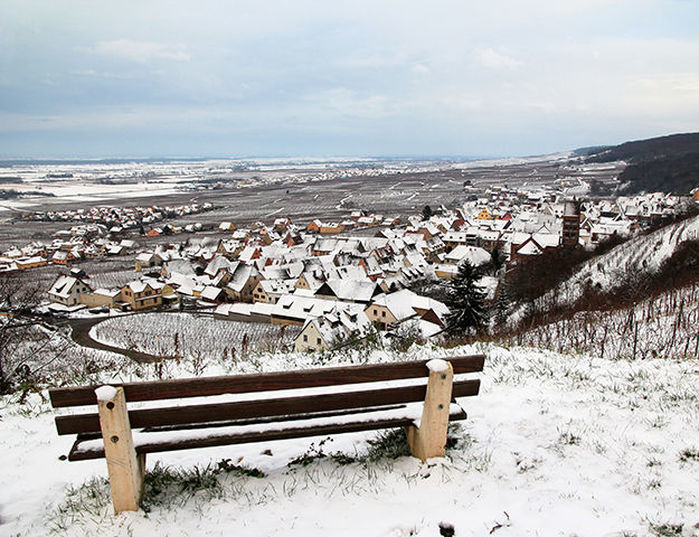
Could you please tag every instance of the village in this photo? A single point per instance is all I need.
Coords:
(331, 281)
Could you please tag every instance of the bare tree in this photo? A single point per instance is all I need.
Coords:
(28, 344)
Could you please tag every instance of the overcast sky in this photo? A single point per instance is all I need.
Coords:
(470, 77)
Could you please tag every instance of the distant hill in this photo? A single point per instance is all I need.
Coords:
(664, 164)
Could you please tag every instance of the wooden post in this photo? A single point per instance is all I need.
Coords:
(430, 439)
(125, 467)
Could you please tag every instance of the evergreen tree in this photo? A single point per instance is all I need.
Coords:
(497, 259)
(502, 304)
(466, 301)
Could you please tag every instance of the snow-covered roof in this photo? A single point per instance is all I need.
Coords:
(63, 286)
(400, 303)
(473, 254)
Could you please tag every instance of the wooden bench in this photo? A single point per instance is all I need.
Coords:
(419, 396)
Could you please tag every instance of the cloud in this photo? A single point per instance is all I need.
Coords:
(492, 59)
(420, 69)
(141, 51)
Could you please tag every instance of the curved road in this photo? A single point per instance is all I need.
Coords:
(81, 335)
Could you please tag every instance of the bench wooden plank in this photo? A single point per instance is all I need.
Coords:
(282, 380)
(245, 437)
(284, 406)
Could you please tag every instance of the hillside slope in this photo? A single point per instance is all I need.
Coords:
(663, 164)
(635, 259)
(646, 150)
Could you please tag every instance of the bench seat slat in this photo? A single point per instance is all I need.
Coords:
(283, 380)
(284, 406)
(160, 441)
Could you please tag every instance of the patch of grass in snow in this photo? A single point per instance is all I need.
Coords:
(667, 530)
(654, 484)
(164, 482)
(689, 454)
(89, 500)
(525, 464)
(568, 438)
(388, 445)
(162, 485)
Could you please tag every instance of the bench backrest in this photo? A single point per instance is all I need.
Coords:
(264, 382)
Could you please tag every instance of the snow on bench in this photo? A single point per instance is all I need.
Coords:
(179, 414)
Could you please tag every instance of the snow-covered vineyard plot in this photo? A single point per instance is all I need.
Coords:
(555, 445)
(192, 336)
(665, 326)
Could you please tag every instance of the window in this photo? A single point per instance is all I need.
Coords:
(305, 338)
(383, 314)
(376, 312)
(317, 341)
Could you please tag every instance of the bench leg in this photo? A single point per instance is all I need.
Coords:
(126, 468)
(430, 439)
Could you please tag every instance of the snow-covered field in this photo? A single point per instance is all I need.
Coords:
(555, 444)
(188, 335)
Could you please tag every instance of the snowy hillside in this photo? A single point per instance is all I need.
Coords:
(554, 445)
(664, 326)
(640, 255)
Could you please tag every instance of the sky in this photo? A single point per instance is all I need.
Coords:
(148, 78)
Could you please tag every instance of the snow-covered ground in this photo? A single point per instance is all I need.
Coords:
(555, 444)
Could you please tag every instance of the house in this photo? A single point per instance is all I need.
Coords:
(140, 295)
(473, 254)
(63, 258)
(348, 290)
(249, 254)
(242, 284)
(387, 310)
(332, 228)
(314, 226)
(484, 214)
(213, 295)
(66, 290)
(25, 263)
(147, 260)
(100, 297)
(229, 248)
(390, 309)
(269, 291)
(371, 267)
(324, 247)
(445, 271)
(330, 330)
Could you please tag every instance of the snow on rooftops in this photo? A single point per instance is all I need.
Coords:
(400, 303)
(217, 263)
(351, 290)
(62, 286)
(473, 254)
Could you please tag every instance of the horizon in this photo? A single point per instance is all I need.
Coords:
(319, 157)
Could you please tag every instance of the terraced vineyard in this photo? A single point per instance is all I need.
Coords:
(192, 336)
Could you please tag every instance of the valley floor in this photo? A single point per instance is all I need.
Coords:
(555, 444)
